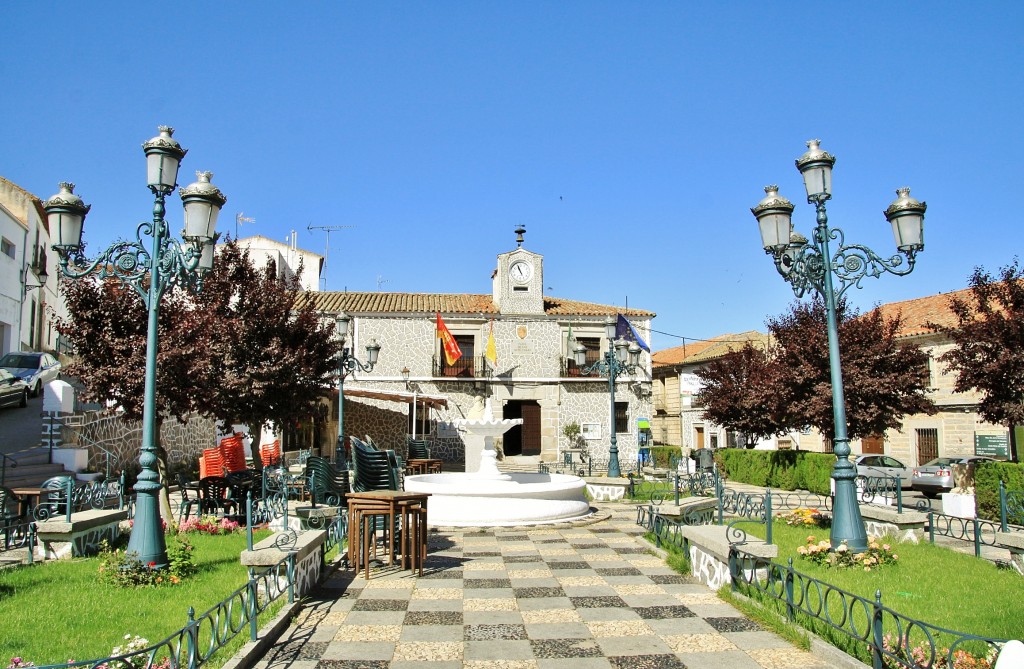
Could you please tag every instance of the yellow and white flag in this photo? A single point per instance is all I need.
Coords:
(491, 352)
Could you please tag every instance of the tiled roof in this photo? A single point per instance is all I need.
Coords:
(450, 303)
(918, 313)
(703, 351)
(677, 354)
(34, 199)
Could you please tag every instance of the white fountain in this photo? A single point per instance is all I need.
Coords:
(486, 496)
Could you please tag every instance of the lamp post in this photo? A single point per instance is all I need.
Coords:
(809, 265)
(618, 359)
(150, 272)
(348, 363)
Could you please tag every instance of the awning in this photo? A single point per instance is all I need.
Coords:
(643, 423)
(432, 401)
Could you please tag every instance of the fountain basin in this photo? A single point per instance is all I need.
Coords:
(461, 500)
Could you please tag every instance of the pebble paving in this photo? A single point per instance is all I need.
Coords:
(529, 598)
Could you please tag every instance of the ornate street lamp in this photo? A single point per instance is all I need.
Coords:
(618, 359)
(810, 265)
(348, 363)
(150, 272)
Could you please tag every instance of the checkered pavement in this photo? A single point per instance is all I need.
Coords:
(572, 595)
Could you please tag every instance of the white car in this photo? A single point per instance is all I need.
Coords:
(33, 368)
(883, 465)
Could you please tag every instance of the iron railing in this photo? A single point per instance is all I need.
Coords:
(975, 530)
(884, 636)
(202, 636)
(887, 637)
(3, 466)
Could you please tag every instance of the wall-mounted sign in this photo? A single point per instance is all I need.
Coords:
(590, 430)
(992, 445)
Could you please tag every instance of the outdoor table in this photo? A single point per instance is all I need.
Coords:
(423, 466)
(30, 498)
(392, 505)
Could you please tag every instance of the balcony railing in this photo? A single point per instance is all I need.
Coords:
(571, 370)
(466, 367)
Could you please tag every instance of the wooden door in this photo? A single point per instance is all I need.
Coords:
(699, 439)
(875, 445)
(531, 428)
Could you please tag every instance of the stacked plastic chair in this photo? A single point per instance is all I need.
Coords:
(211, 463)
(327, 484)
(270, 454)
(232, 453)
(373, 469)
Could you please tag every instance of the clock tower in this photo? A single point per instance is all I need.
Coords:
(519, 280)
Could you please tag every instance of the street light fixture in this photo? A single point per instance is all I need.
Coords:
(621, 357)
(348, 363)
(150, 272)
(810, 265)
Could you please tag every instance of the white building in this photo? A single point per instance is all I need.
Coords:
(28, 274)
(287, 257)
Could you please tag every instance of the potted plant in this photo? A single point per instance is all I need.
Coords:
(959, 502)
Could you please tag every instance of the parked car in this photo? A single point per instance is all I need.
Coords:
(883, 465)
(936, 476)
(12, 390)
(34, 368)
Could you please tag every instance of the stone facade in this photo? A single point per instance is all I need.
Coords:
(101, 433)
(531, 339)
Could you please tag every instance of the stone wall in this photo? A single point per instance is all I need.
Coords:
(97, 431)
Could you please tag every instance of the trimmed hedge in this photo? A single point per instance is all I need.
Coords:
(785, 470)
(986, 486)
(663, 455)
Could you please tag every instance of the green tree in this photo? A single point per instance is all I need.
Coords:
(240, 350)
(989, 352)
(272, 359)
(883, 379)
(761, 392)
(733, 392)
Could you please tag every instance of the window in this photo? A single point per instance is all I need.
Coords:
(926, 371)
(7, 247)
(621, 417)
(785, 444)
(735, 439)
(927, 444)
(32, 323)
(827, 444)
(593, 346)
(713, 439)
(464, 365)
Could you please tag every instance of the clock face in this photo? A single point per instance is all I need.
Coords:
(520, 271)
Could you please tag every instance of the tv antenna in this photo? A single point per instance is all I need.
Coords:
(240, 217)
(380, 282)
(327, 247)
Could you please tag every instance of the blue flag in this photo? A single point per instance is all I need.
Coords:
(625, 329)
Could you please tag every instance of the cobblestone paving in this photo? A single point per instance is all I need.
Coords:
(566, 596)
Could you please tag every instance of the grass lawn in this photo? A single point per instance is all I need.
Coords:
(933, 584)
(58, 610)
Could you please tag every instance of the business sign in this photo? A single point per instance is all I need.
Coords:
(992, 445)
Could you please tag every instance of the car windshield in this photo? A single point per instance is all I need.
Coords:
(941, 462)
(19, 361)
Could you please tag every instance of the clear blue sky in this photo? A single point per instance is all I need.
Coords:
(630, 139)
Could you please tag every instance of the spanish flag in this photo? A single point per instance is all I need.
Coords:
(491, 352)
(452, 352)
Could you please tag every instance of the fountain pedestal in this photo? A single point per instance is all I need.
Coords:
(485, 496)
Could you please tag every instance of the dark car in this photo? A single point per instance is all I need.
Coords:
(936, 475)
(33, 367)
(12, 390)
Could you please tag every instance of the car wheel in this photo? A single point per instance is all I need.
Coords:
(24, 399)
(38, 390)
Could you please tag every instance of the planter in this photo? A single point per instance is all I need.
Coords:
(73, 459)
(958, 504)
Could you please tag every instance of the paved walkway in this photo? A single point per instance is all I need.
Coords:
(565, 596)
